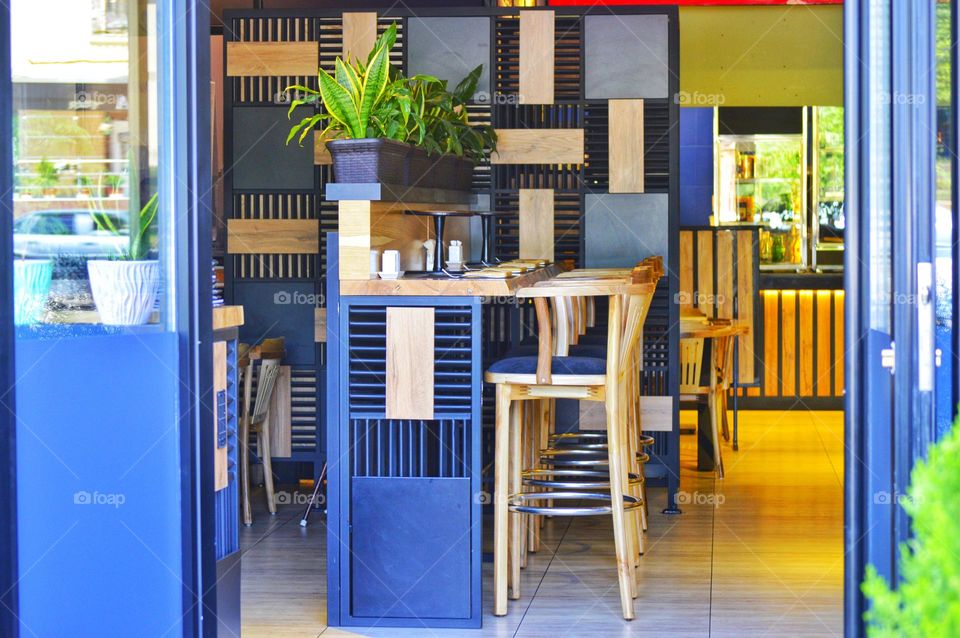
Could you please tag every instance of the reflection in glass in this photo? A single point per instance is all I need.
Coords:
(84, 149)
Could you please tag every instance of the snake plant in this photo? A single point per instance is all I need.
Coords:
(375, 100)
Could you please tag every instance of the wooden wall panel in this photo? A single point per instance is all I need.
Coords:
(273, 236)
(321, 156)
(410, 363)
(258, 59)
(747, 290)
(725, 292)
(536, 57)
(705, 263)
(221, 477)
(839, 347)
(538, 146)
(626, 149)
(354, 239)
(280, 424)
(359, 35)
(686, 269)
(824, 356)
(536, 224)
(771, 341)
(788, 338)
(805, 346)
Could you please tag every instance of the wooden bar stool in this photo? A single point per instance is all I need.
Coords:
(527, 378)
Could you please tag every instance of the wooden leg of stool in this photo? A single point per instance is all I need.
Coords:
(501, 488)
(523, 458)
(264, 434)
(625, 556)
(516, 520)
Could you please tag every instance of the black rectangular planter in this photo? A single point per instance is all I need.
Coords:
(374, 160)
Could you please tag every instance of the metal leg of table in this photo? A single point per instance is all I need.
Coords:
(438, 223)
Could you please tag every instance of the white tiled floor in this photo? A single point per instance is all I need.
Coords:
(759, 553)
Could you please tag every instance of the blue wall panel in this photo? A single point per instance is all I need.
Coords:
(99, 485)
(696, 165)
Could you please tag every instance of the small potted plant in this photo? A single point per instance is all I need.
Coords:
(31, 285)
(381, 126)
(47, 177)
(125, 289)
(84, 186)
(111, 185)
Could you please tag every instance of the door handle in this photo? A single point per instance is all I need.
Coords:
(888, 357)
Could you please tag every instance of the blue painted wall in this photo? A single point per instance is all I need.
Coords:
(98, 486)
(696, 165)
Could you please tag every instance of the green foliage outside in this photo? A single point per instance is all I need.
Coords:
(927, 601)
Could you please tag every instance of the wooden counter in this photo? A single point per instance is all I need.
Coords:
(227, 317)
(446, 287)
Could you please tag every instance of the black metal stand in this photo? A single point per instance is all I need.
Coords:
(313, 497)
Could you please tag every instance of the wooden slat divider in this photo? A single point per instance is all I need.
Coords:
(771, 379)
(746, 292)
(788, 338)
(686, 269)
(824, 356)
(725, 266)
(705, 264)
(805, 347)
(839, 347)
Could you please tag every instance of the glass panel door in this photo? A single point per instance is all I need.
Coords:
(100, 415)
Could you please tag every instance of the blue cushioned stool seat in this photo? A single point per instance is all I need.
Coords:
(559, 365)
(579, 350)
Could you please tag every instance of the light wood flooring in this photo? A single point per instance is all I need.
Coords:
(759, 553)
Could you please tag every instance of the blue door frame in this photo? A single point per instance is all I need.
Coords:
(183, 143)
(8, 461)
(890, 100)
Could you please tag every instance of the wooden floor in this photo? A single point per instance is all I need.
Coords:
(759, 553)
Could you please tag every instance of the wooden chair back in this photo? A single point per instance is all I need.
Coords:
(691, 366)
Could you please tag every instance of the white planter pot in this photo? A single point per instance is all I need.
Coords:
(31, 285)
(125, 291)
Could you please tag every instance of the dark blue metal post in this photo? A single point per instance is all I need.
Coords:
(8, 461)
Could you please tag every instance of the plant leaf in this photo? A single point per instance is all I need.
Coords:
(340, 106)
(374, 85)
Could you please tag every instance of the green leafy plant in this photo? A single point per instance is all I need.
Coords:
(375, 100)
(927, 600)
(141, 239)
(47, 175)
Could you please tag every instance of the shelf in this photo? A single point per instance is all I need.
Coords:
(388, 193)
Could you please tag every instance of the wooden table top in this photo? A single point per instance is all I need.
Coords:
(446, 287)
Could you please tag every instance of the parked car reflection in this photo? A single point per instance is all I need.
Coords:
(68, 237)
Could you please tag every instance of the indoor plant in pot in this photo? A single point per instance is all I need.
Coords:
(31, 285)
(380, 126)
(125, 288)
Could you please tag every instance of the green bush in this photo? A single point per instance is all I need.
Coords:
(927, 601)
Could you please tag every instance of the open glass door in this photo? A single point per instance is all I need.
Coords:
(109, 294)
(891, 285)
